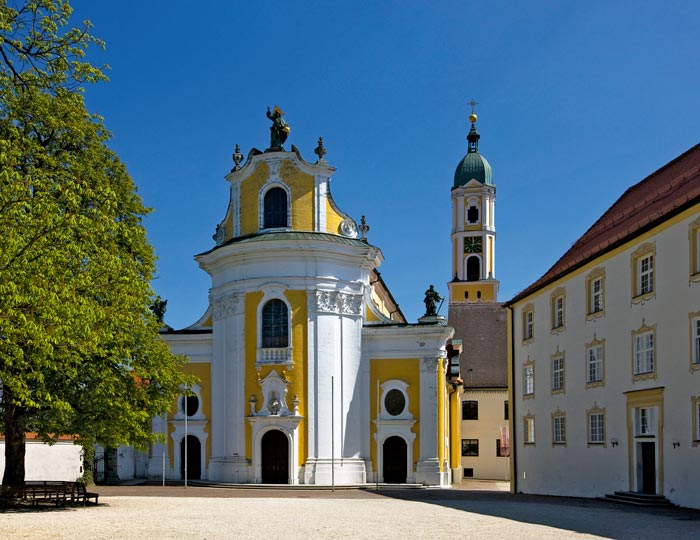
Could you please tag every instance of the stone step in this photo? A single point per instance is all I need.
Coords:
(638, 499)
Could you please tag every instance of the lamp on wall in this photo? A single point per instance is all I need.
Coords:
(676, 443)
(614, 442)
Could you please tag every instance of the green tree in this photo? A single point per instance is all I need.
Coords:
(80, 352)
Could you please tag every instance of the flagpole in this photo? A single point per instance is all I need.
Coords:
(185, 411)
(332, 434)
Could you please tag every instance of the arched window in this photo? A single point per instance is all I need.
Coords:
(275, 325)
(473, 268)
(275, 212)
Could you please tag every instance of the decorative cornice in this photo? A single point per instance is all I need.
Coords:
(226, 306)
(338, 302)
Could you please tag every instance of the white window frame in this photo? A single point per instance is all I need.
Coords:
(597, 295)
(646, 274)
(643, 273)
(529, 379)
(529, 429)
(644, 361)
(528, 323)
(645, 422)
(558, 368)
(559, 428)
(594, 362)
(695, 340)
(596, 433)
(695, 401)
(276, 355)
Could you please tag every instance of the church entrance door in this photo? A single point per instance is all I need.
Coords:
(194, 458)
(274, 450)
(395, 457)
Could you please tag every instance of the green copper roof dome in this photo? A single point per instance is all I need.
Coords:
(473, 165)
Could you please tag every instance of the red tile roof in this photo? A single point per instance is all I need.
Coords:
(662, 194)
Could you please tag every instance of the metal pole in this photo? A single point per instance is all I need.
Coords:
(332, 434)
(376, 474)
(185, 410)
(163, 460)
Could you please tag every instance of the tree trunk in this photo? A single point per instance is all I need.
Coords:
(15, 444)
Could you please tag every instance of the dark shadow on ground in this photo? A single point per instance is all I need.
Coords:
(591, 516)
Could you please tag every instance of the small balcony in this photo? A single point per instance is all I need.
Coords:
(274, 355)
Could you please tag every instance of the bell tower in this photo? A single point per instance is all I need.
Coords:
(473, 226)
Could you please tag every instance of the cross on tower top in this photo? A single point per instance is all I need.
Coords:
(473, 104)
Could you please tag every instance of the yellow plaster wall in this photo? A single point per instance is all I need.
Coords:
(302, 188)
(488, 291)
(441, 412)
(296, 375)
(333, 218)
(455, 425)
(228, 225)
(298, 378)
(250, 189)
(369, 315)
(251, 377)
(455, 256)
(407, 370)
(203, 373)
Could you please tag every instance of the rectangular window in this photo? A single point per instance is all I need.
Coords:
(468, 472)
(558, 312)
(529, 430)
(470, 410)
(558, 373)
(528, 322)
(596, 295)
(596, 428)
(645, 425)
(646, 274)
(696, 410)
(559, 430)
(695, 239)
(594, 361)
(505, 410)
(644, 353)
(470, 447)
(528, 380)
(696, 340)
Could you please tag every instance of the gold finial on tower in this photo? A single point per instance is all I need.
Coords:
(473, 117)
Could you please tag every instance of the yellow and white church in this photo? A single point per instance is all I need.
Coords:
(309, 372)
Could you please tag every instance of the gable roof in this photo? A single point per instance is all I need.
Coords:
(661, 195)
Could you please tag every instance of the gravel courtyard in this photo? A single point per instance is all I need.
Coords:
(198, 513)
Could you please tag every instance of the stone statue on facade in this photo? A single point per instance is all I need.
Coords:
(432, 297)
(279, 130)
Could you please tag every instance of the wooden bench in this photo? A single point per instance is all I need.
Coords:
(80, 493)
(41, 491)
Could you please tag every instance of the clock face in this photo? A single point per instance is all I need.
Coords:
(472, 244)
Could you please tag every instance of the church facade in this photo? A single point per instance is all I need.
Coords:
(308, 371)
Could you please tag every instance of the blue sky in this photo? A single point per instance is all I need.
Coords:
(577, 101)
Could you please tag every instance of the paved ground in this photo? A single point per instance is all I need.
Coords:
(198, 513)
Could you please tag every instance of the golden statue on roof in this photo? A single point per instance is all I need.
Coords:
(279, 130)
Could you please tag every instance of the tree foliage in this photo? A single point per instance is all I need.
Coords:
(79, 347)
